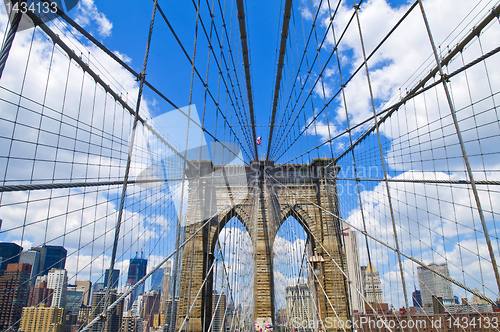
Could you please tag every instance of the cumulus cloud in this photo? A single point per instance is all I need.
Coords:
(87, 12)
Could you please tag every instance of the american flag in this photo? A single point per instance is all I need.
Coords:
(259, 140)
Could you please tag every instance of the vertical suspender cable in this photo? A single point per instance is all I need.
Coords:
(462, 147)
(129, 158)
(356, 9)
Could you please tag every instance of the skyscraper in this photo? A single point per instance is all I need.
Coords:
(114, 280)
(417, 298)
(13, 294)
(432, 284)
(371, 284)
(9, 254)
(51, 257)
(136, 271)
(58, 281)
(74, 299)
(31, 257)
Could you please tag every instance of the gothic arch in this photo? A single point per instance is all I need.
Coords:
(238, 212)
(302, 218)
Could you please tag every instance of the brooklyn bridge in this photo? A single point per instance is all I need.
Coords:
(210, 165)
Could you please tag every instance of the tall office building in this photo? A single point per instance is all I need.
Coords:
(40, 294)
(42, 319)
(114, 320)
(85, 287)
(157, 280)
(51, 257)
(9, 254)
(219, 312)
(74, 299)
(353, 269)
(136, 271)
(31, 257)
(298, 303)
(171, 315)
(432, 284)
(114, 280)
(371, 284)
(13, 294)
(58, 281)
(417, 298)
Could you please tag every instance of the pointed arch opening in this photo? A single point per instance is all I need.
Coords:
(233, 282)
(294, 290)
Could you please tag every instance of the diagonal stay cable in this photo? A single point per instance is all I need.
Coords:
(246, 63)
(140, 282)
(313, 119)
(386, 112)
(282, 50)
(415, 260)
(81, 63)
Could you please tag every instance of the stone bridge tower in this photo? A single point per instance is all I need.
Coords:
(255, 194)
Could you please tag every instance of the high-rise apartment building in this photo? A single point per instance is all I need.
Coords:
(219, 312)
(57, 280)
(13, 294)
(31, 257)
(131, 323)
(150, 307)
(113, 322)
(51, 257)
(165, 288)
(371, 284)
(42, 319)
(432, 284)
(9, 254)
(40, 294)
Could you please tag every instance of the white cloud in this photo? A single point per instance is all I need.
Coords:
(322, 128)
(435, 223)
(88, 12)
